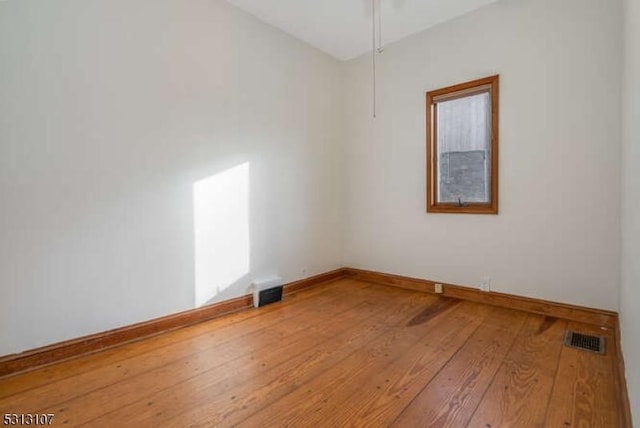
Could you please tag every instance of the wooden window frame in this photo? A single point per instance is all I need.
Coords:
(452, 92)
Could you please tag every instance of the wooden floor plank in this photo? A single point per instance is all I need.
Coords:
(215, 337)
(378, 397)
(21, 382)
(584, 393)
(142, 373)
(223, 399)
(521, 388)
(347, 353)
(317, 400)
(451, 397)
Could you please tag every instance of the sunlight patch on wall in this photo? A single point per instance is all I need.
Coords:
(221, 225)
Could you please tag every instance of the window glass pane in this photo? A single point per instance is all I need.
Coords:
(464, 149)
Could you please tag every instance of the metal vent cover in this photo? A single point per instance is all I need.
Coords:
(586, 342)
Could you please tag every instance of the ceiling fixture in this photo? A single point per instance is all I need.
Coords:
(376, 25)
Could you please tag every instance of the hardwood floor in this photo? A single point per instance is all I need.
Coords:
(347, 353)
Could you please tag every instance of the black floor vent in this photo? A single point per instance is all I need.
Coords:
(584, 341)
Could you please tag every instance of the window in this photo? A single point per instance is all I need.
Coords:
(462, 148)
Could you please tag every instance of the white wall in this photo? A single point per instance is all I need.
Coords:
(110, 110)
(630, 290)
(557, 235)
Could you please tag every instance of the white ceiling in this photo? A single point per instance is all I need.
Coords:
(342, 28)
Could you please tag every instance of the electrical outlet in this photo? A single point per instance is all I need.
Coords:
(485, 283)
(438, 288)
